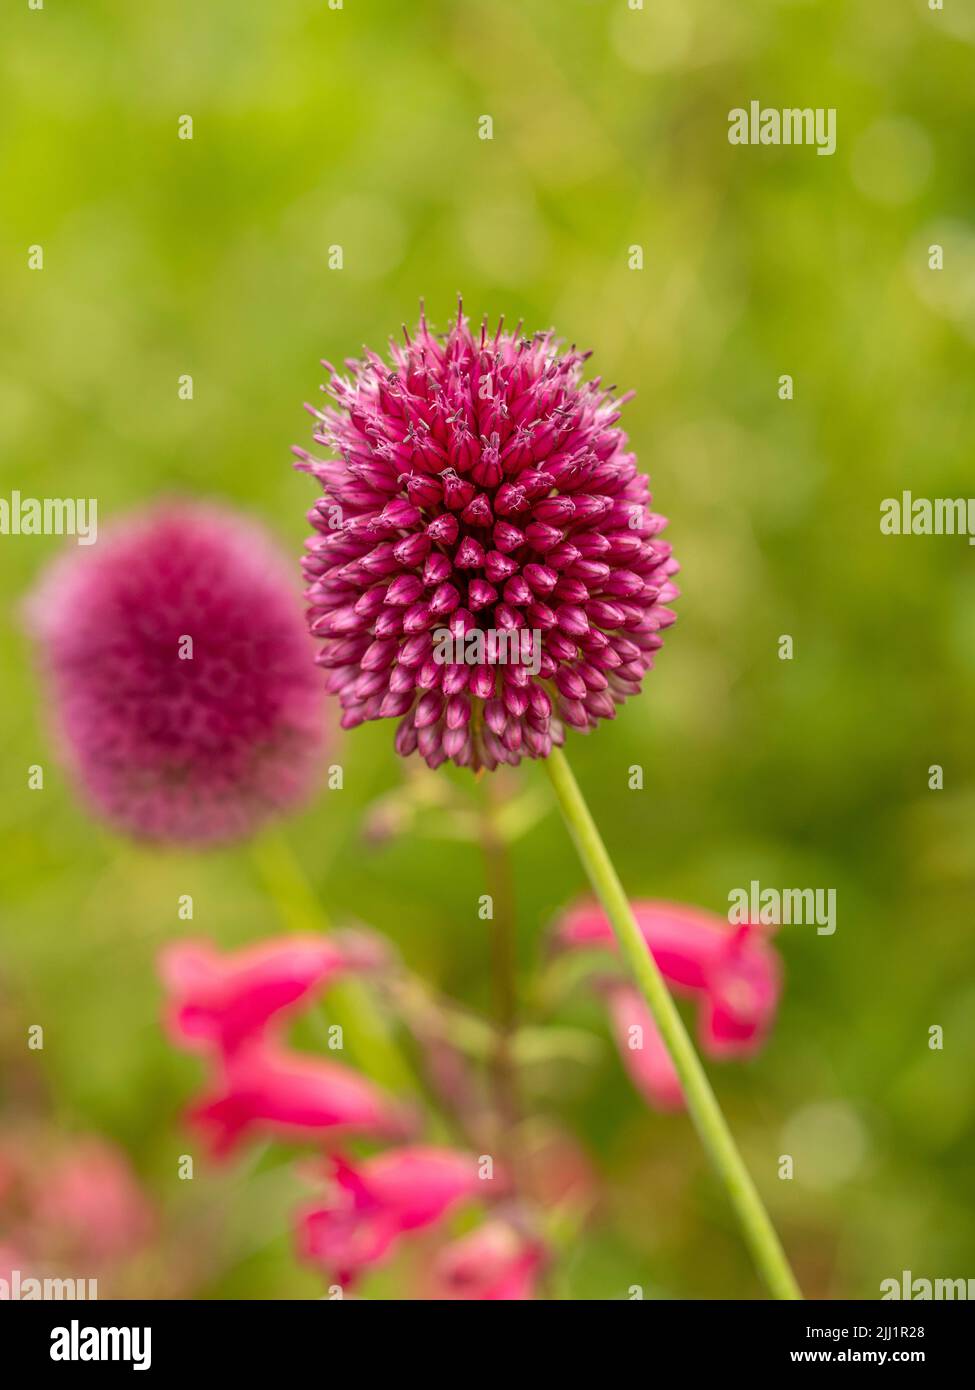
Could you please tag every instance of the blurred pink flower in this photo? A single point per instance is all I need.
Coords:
(642, 1049)
(183, 680)
(493, 1262)
(223, 1000)
(263, 1088)
(371, 1204)
(68, 1202)
(89, 1204)
(734, 974)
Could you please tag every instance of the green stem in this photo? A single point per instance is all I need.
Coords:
(705, 1111)
(504, 971)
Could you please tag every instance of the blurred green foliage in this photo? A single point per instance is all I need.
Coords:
(315, 127)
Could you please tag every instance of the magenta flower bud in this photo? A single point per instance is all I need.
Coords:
(623, 584)
(562, 557)
(517, 592)
(540, 615)
(445, 599)
(570, 590)
(389, 623)
(478, 511)
(429, 676)
(458, 712)
(379, 655)
(444, 529)
(417, 618)
(400, 514)
(510, 499)
(507, 537)
(606, 615)
(541, 537)
(469, 555)
(572, 620)
(437, 568)
(404, 589)
(458, 492)
(428, 710)
(498, 567)
(481, 593)
(456, 678)
(483, 682)
(184, 688)
(487, 473)
(490, 511)
(494, 716)
(422, 490)
(413, 549)
(542, 579)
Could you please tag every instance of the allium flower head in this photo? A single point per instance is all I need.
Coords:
(482, 488)
(183, 679)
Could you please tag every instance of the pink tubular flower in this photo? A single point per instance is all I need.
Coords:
(733, 973)
(375, 1202)
(643, 1050)
(266, 1089)
(494, 1262)
(185, 685)
(485, 492)
(221, 1001)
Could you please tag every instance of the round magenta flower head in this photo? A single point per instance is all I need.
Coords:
(183, 678)
(486, 567)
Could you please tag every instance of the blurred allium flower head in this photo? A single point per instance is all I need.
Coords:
(481, 486)
(183, 679)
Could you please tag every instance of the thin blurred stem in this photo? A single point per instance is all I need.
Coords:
(503, 964)
(705, 1111)
(349, 1003)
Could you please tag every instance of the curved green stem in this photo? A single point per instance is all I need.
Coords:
(705, 1111)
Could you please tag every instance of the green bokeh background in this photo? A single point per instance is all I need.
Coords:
(359, 127)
